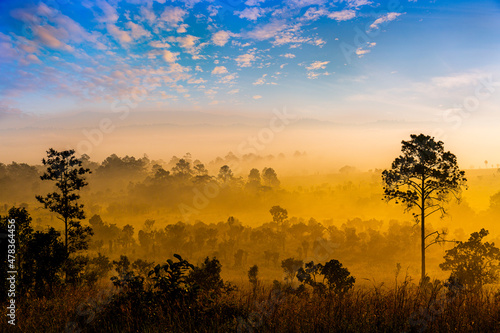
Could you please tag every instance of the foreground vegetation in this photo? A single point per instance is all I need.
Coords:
(177, 297)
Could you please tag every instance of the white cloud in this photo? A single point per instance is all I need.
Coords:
(33, 59)
(458, 80)
(253, 2)
(148, 15)
(187, 42)
(219, 70)
(220, 38)
(305, 3)
(198, 69)
(173, 15)
(182, 28)
(196, 81)
(319, 42)
(317, 65)
(234, 91)
(288, 55)
(289, 37)
(245, 60)
(110, 14)
(313, 14)
(267, 31)
(228, 78)
(383, 19)
(120, 35)
(257, 97)
(137, 30)
(170, 56)
(252, 13)
(158, 44)
(359, 3)
(211, 93)
(342, 15)
(315, 75)
(260, 81)
(361, 52)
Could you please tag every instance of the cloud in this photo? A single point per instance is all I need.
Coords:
(267, 31)
(288, 37)
(459, 80)
(383, 19)
(137, 30)
(245, 60)
(188, 43)
(120, 35)
(210, 93)
(342, 15)
(220, 38)
(251, 14)
(306, 3)
(173, 15)
(288, 55)
(170, 57)
(359, 3)
(158, 44)
(260, 81)
(228, 78)
(110, 15)
(7, 50)
(219, 70)
(319, 42)
(196, 81)
(315, 75)
(313, 14)
(33, 59)
(182, 28)
(53, 29)
(147, 14)
(257, 97)
(317, 65)
(253, 2)
(361, 52)
(232, 92)
(198, 69)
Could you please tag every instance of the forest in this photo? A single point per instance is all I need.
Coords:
(139, 245)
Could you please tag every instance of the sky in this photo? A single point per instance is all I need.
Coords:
(343, 61)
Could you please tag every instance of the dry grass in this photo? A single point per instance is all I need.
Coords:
(401, 308)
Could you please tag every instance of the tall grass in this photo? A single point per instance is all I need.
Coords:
(404, 307)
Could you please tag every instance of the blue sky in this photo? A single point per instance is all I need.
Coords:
(346, 61)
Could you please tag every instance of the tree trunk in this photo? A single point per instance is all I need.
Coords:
(422, 220)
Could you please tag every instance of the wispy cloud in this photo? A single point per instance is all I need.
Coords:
(383, 19)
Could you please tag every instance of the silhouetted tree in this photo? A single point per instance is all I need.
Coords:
(338, 278)
(182, 170)
(67, 171)
(225, 174)
(473, 263)
(423, 177)
(207, 275)
(280, 215)
(290, 267)
(270, 178)
(252, 276)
